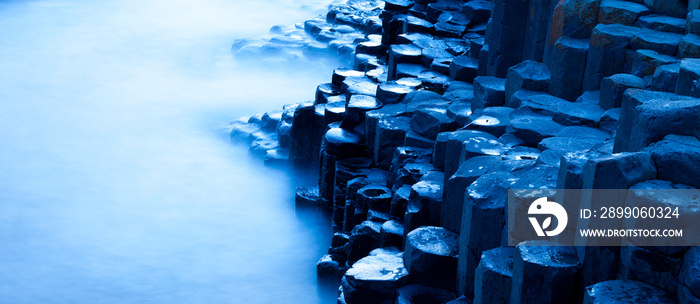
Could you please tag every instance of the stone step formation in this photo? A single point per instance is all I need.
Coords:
(445, 105)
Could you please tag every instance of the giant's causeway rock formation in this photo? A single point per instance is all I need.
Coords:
(444, 105)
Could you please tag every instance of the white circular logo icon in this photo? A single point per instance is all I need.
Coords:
(543, 207)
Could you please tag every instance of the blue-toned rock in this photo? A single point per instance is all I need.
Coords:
(416, 294)
(494, 275)
(567, 64)
(625, 292)
(662, 23)
(488, 92)
(543, 273)
(430, 257)
(528, 75)
(620, 12)
(606, 55)
(533, 129)
(483, 219)
(612, 88)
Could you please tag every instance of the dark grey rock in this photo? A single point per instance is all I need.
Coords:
(356, 108)
(371, 47)
(441, 65)
(662, 23)
(374, 279)
(431, 257)
(528, 75)
(612, 88)
(417, 25)
(489, 91)
(391, 234)
(477, 11)
(402, 53)
(610, 120)
(640, 264)
(340, 245)
(431, 122)
(689, 47)
(434, 81)
(372, 119)
(543, 273)
(677, 159)
(533, 129)
(439, 153)
(689, 73)
(366, 62)
(409, 70)
(590, 97)
(493, 277)
(399, 201)
(483, 219)
(374, 197)
(325, 90)
(424, 205)
(661, 42)
(631, 99)
(606, 55)
(411, 173)
(618, 171)
(620, 12)
(625, 292)
(342, 143)
(655, 119)
(464, 68)
(689, 282)
(363, 239)
(567, 66)
(391, 133)
(329, 269)
(646, 62)
(665, 78)
(307, 198)
(416, 294)
(434, 53)
(332, 112)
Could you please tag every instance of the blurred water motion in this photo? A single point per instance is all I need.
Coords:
(115, 186)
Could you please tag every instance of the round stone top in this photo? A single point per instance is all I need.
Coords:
(375, 191)
(499, 260)
(434, 240)
(380, 267)
(548, 254)
(338, 135)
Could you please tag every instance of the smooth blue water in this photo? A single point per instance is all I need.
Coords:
(115, 183)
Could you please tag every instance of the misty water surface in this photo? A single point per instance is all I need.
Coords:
(116, 185)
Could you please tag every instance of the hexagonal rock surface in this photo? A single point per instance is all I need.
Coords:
(545, 273)
(625, 292)
(493, 277)
(374, 279)
(529, 75)
(431, 256)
